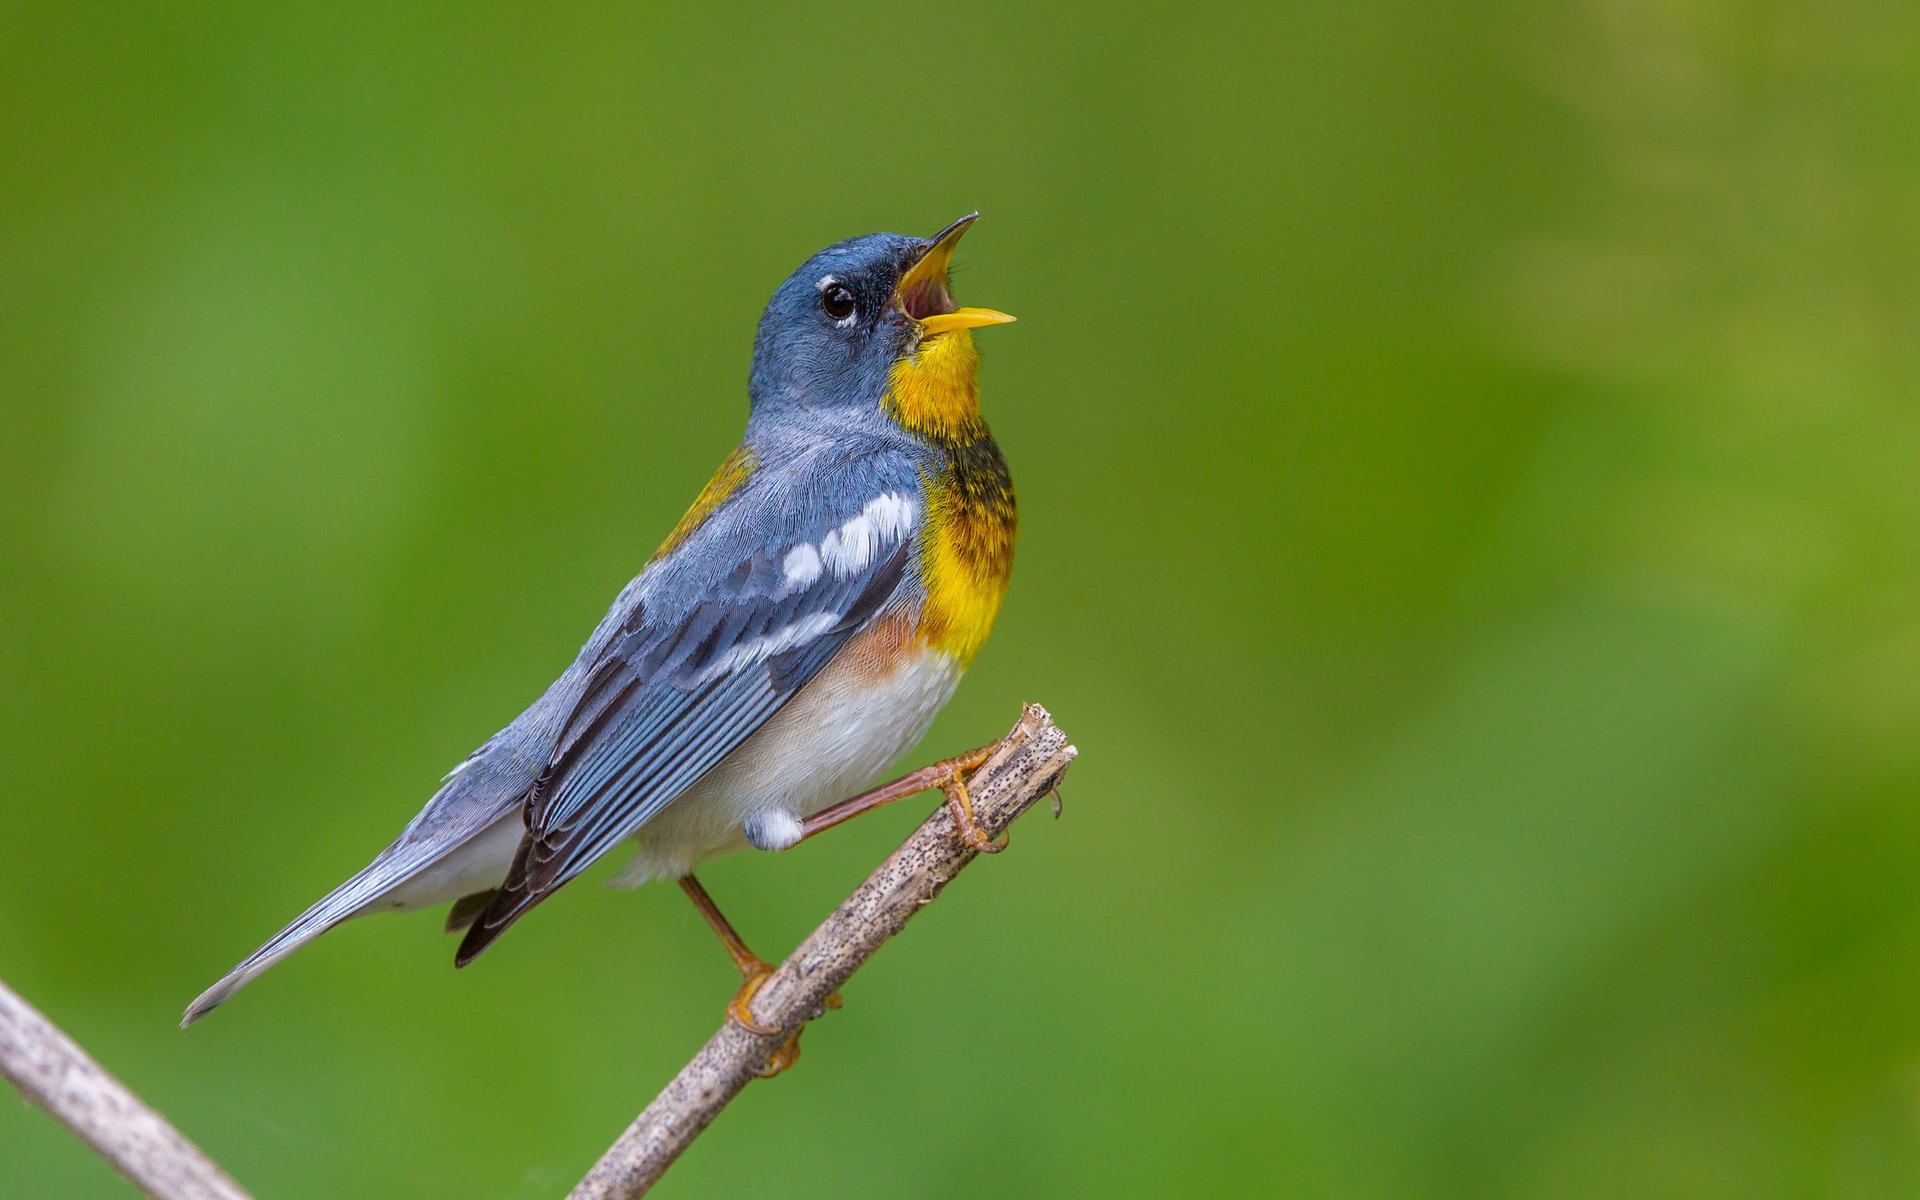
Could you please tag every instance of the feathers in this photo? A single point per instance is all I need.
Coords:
(460, 841)
(712, 639)
(467, 909)
(670, 703)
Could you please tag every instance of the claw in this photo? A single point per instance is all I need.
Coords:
(785, 1056)
(756, 972)
(788, 1051)
(960, 804)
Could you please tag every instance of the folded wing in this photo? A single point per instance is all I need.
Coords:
(686, 680)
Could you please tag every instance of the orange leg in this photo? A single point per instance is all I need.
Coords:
(949, 775)
(753, 969)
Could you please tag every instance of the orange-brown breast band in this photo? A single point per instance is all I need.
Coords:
(966, 558)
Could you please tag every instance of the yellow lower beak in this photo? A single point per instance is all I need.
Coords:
(923, 289)
(963, 318)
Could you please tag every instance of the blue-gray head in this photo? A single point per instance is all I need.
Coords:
(834, 330)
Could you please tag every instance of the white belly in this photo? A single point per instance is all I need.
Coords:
(831, 740)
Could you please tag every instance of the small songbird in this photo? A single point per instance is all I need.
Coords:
(796, 632)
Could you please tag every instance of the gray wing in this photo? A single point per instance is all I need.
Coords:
(684, 683)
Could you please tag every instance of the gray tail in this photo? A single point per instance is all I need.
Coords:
(474, 801)
(349, 899)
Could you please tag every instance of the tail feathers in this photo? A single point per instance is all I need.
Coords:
(517, 893)
(344, 901)
(467, 909)
(462, 840)
(489, 921)
(405, 875)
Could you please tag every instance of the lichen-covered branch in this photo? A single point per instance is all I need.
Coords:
(1025, 767)
(55, 1073)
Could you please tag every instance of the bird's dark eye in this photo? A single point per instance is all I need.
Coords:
(837, 301)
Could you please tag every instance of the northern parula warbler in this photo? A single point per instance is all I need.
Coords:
(796, 632)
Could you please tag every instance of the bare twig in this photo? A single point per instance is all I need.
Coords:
(1026, 766)
(53, 1072)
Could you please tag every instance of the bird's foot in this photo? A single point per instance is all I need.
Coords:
(755, 971)
(787, 1053)
(782, 1058)
(953, 781)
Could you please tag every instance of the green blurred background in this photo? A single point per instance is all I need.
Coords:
(1470, 478)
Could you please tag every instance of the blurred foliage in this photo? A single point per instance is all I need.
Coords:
(1471, 491)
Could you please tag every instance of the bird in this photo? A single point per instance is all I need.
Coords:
(796, 631)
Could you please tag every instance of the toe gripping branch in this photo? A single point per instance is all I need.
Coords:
(953, 783)
(949, 776)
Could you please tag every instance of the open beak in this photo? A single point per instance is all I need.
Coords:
(923, 293)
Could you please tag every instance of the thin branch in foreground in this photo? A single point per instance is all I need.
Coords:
(1025, 767)
(55, 1073)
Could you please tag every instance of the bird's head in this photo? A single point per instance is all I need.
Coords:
(860, 318)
